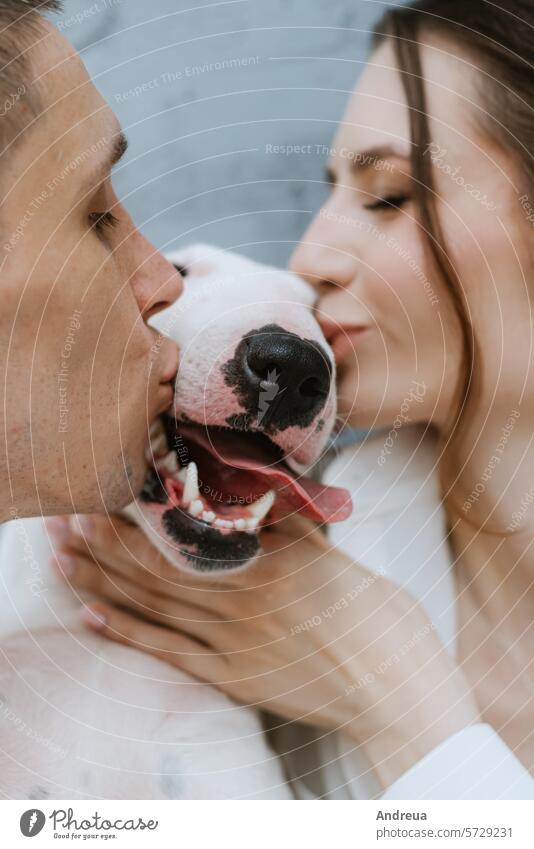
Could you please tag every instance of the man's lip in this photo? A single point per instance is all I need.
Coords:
(169, 372)
(344, 342)
(166, 390)
(170, 355)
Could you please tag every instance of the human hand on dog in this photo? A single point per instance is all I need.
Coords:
(304, 633)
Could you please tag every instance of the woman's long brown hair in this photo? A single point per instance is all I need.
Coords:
(499, 41)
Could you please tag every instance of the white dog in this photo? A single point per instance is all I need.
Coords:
(81, 717)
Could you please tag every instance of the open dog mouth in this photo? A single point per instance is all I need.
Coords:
(232, 481)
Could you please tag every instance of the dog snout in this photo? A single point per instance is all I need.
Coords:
(288, 377)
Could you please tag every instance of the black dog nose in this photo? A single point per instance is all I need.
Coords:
(284, 380)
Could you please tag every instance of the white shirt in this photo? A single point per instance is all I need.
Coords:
(398, 527)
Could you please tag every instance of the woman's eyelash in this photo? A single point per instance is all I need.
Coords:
(388, 202)
(101, 220)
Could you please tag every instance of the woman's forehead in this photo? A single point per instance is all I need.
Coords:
(377, 113)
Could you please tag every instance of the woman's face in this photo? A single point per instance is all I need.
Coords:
(383, 306)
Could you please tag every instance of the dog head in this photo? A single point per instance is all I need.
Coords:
(254, 406)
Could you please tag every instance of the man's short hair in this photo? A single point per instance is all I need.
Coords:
(19, 26)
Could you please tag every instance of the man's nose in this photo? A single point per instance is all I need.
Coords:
(156, 283)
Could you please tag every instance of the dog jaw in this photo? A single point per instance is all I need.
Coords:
(226, 299)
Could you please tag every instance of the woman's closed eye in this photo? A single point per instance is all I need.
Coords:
(388, 202)
(102, 220)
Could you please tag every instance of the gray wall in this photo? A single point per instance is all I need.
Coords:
(205, 91)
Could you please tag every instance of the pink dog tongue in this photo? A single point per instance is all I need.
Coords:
(316, 500)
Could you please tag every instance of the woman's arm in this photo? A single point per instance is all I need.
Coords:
(304, 633)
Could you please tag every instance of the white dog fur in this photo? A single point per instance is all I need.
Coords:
(82, 717)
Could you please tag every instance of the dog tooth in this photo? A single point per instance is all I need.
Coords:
(158, 445)
(226, 524)
(252, 524)
(195, 508)
(171, 462)
(182, 474)
(240, 524)
(208, 516)
(156, 428)
(261, 507)
(191, 490)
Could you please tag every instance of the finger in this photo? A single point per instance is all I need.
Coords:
(177, 649)
(86, 576)
(106, 536)
(127, 549)
(114, 543)
(102, 536)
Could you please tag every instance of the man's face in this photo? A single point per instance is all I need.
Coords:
(83, 374)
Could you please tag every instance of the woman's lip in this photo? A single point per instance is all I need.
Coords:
(344, 343)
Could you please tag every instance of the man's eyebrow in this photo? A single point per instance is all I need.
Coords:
(362, 160)
(114, 148)
(119, 148)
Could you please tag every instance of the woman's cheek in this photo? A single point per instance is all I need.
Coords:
(398, 289)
